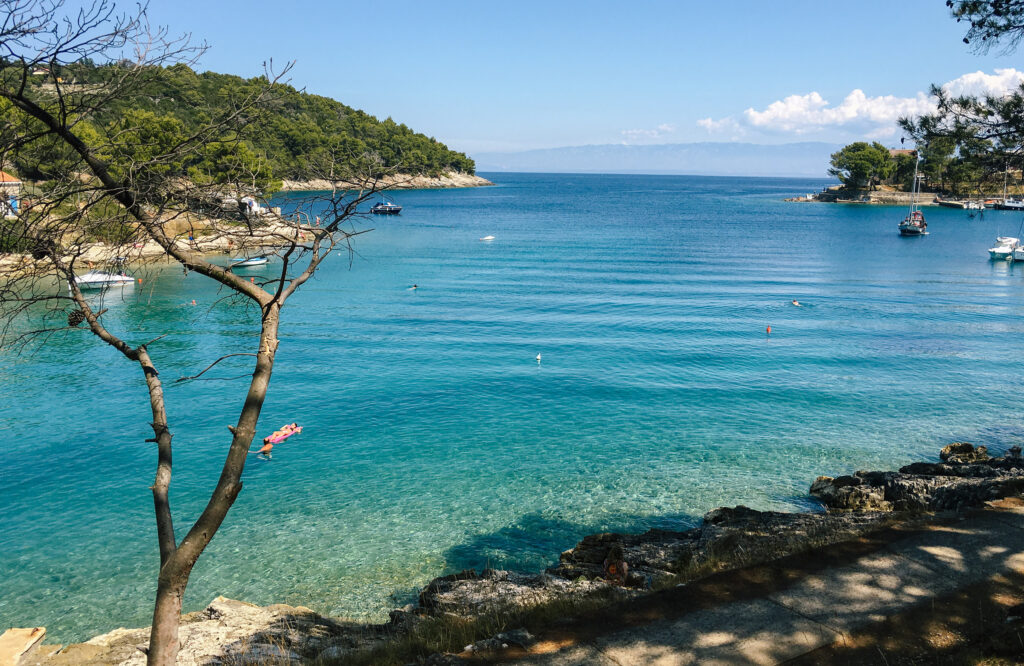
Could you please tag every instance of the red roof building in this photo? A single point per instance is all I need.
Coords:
(10, 187)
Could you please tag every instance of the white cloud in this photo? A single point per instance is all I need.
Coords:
(800, 114)
(872, 117)
(718, 126)
(634, 135)
(980, 83)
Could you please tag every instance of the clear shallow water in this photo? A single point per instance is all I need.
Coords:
(434, 441)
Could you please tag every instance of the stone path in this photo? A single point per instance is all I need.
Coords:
(818, 607)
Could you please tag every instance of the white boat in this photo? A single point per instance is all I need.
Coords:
(1006, 203)
(386, 208)
(1005, 245)
(242, 262)
(102, 280)
(1010, 204)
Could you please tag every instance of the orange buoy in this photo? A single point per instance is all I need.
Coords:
(767, 330)
(140, 280)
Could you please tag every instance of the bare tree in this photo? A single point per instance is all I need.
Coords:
(125, 183)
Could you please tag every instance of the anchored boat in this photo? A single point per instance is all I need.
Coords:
(243, 262)
(1005, 245)
(913, 224)
(386, 208)
(101, 280)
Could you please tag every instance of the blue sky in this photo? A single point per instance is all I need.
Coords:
(521, 75)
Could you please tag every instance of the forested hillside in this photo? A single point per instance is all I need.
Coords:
(294, 130)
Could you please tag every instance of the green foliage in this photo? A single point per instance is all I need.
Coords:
(970, 141)
(141, 147)
(936, 157)
(975, 141)
(292, 127)
(860, 164)
(903, 170)
(290, 134)
(13, 236)
(991, 21)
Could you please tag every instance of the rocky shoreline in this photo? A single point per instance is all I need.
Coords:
(879, 197)
(856, 505)
(393, 182)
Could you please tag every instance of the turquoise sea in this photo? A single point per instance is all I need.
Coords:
(434, 439)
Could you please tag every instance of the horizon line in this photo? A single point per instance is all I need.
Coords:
(657, 173)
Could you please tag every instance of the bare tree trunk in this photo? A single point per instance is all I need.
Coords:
(162, 438)
(174, 572)
(163, 636)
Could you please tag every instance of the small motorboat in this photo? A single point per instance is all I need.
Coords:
(102, 280)
(1005, 245)
(386, 208)
(244, 262)
(487, 238)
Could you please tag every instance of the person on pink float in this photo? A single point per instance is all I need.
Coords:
(277, 437)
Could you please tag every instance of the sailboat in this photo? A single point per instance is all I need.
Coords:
(1008, 204)
(913, 224)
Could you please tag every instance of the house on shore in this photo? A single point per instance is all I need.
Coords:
(10, 194)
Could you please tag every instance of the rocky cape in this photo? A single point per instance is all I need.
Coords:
(227, 631)
(393, 182)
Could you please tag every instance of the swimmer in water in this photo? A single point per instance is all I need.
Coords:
(796, 303)
(415, 286)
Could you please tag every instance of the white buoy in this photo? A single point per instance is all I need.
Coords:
(538, 358)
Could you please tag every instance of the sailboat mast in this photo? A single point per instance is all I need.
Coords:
(914, 188)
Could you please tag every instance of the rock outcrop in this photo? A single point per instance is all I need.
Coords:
(233, 632)
(729, 538)
(499, 592)
(963, 452)
(967, 477)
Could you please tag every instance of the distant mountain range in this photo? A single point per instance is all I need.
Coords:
(809, 159)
